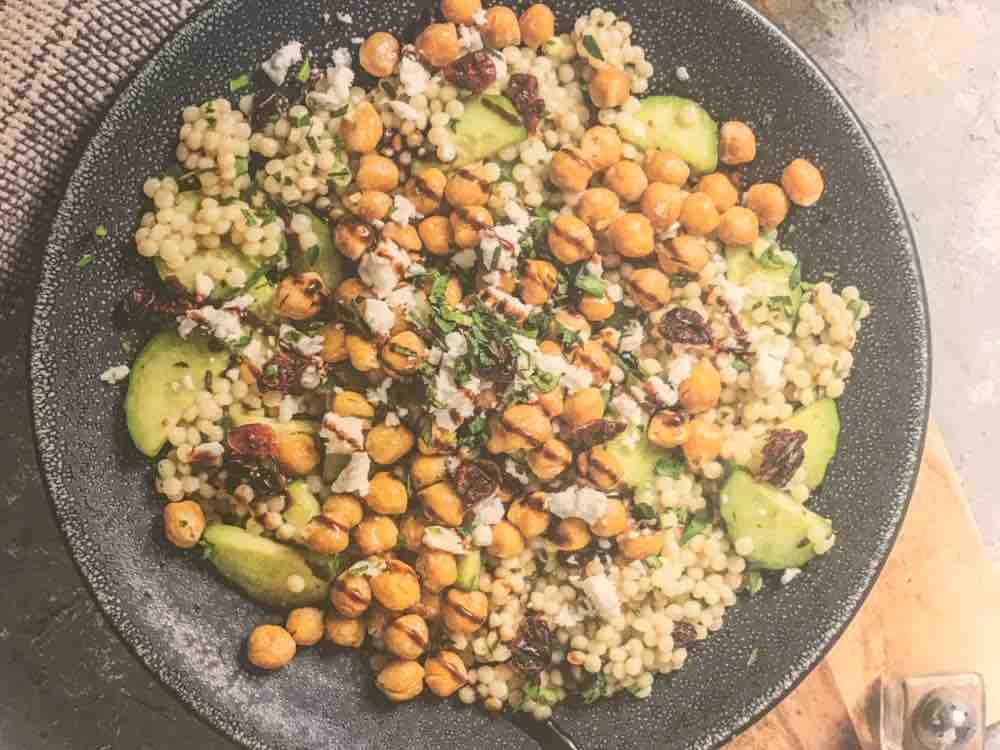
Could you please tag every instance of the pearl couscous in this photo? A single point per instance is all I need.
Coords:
(490, 368)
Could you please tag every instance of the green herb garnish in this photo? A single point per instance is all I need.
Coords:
(644, 512)
(856, 306)
(597, 690)
(313, 145)
(100, 231)
(654, 563)
(755, 581)
(402, 351)
(695, 526)
(544, 695)
(249, 217)
(242, 165)
(239, 83)
(740, 364)
(590, 285)
(670, 466)
(593, 48)
(304, 70)
(85, 261)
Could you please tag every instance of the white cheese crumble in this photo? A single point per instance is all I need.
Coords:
(682, 73)
(368, 568)
(257, 353)
(278, 64)
(767, 369)
(626, 408)
(579, 502)
(603, 595)
(465, 258)
(518, 215)
(680, 368)
(115, 374)
(288, 408)
(335, 91)
(577, 378)
(733, 294)
(482, 536)
(479, 17)
(655, 393)
(379, 316)
(379, 395)
(500, 247)
(406, 111)
(413, 76)
(354, 477)
(222, 324)
(444, 539)
(488, 511)
(407, 298)
(383, 267)
(469, 39)
(344, 435)
(632, 337)
(203, 285)
(403, 210)
(307, 346)
(790, 575)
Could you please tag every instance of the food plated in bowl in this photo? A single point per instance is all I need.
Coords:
(526, 374)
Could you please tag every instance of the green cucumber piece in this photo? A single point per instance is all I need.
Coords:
(241, 416)
(468, 571)
(638, 457)
(679, 125)
(483, 130)
(302, 504)
(156, 389)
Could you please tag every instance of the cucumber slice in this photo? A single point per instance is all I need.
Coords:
(468, 571)
(744, 269)
(157, 389)
(241, 416)
(488, 124)
(779, 527)
(678, 125)
(260, 567)
(820, 421)
(324, 259)
(638, 457)
(302, 504)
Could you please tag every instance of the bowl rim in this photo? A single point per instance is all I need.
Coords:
(228, 726)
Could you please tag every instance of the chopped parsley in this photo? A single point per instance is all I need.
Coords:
(783, 305)
(593, 48)
(239, 83)
(85, 261)
(597, 690)
(304, 70)
(249, 217)
(654, 563)
(568, 338)
(755, 581)
(472, 433)
(300, 121)
(772, 258)
(100, 231)
(593, 286)
(740, 364)
(242, 165)
(670, 466)
(695, 526)
(630, 364)
(545, 695)
(644, 512)
(313, 145)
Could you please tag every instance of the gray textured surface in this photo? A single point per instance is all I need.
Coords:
(921, 74)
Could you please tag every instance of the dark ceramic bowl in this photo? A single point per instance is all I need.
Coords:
(189, 628)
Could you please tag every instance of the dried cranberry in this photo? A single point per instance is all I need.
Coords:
(283, 372)
(253, 440)
(474, 71)
(523, 92)
(477, 480)
(684, 326)
(262, 475)
(531, 651)
(145, 305)
(783, 454)
(596, 432)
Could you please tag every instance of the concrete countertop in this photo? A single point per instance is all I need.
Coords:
(922, 75)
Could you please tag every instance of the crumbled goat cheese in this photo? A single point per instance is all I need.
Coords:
(413, 76)
(344, 435)
(392, 419)
(407, 298)
(203, 285)
(379, 316)
(403, 210)
(469, 39)
(767, 369)
(632, 337)
(367, 568)
(479, 17)
(406, 111)
(733, 294)
(357, 40)
(614, 292)
(342, 57)
(577, 378)
(445, 539)
(500, 247)
(603, 595)
(336, 93)
(115, 374)
(354, 476)
(383, 267)
(310, 379)
(488, 511)
(654, 393)
(680, 368)
(455, 404)
(579, 502)
(626, 408)
(517, 214)
(379, 395)
(482, 536)
(682, 73)
(242, 302)
(790, 575)
(307, 346)
(222, 324)
(345, 18)
(465, 258)
(288, 408)
(257, 353)
(285, 57)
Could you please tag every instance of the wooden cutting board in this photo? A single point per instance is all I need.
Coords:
(935, 608)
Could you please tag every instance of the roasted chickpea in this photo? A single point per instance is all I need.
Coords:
(601, 147)
(739, 226)
(183, 523)
(570, 535)
(370, 205)
(684, 252)
(596, 309)
(397, 587)
(636, 546)
(404, 235)
(441, 441)
(351, 595)
(530, 515)
(325, 536)
(386, 494)
(570, 240)
(377, 172)
(404, 353)
(270, 647)
(379, 54)
(666, 166)
(601, 468)
(661, 204)
(445, 673)
(464, 611)
(737, 143)
(803, 182)
(435, 232)
(352, 404)
(426, 189)
(552, 401)
(334, 343)
(353, 237)
(651, 288)
(467, 223)
(538, 25)
(698, 214)
(614, 521)
(345, 631)
(426, 470)
(343, 510)
(583, 407)
(540, 278)
(527, 424)
(301, 297)
(387, 444)
(507, 541)
(720, 189)
(597, 207)
(442, 504)
(668, 429)
(429, 606)
(437, 569)
(627, 179)
(305, 625)
(631, 235)
(704, 442)
(502, 28)
(411, 531)
(362, 353)
(609, 88)
(376, 535)
(769, 202)
(407, 636)
(401, 680)
(362, 131)
(438, 43)
(700, 390)
(351, 290)
(467, 188)
(570, 170)
(297, 453)
(461, 11)
(571, 321)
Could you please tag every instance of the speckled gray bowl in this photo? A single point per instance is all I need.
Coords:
(189, 628)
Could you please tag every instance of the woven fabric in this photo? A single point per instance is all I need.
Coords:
(61, 62)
